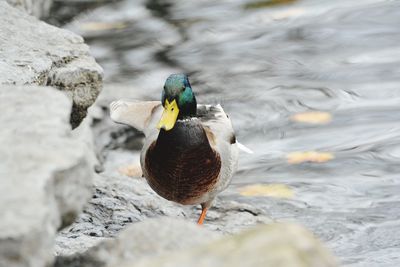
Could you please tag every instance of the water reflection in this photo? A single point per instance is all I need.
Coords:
(266, 65)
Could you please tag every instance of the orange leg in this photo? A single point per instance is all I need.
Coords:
(203, 215)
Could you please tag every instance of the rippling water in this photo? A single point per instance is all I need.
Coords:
(265, 65)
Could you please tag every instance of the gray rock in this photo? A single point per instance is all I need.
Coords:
(45, 175)
(119, 201)
(37, 8)
(277, 245)
(144, 239)
(34, 52)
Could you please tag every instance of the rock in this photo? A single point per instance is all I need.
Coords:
(84, 134)
(46, 178)
(145, 239)
(34, 52)
(37, 8)
(119, 201)
(277, 245)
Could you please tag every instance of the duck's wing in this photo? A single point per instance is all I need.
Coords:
(137, 114)
(217, 125)
(222, 139)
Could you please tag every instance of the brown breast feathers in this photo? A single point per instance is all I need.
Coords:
(181, 166)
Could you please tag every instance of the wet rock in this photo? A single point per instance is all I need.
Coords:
(145, 239)
(278, 245)
(119, 201)
(172, 242)
(46, 177)
(34, 52)
(84, 134)
(37, 8)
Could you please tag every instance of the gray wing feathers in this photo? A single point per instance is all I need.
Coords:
(216, 119)
(134, 113)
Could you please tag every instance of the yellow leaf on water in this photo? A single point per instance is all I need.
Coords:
(267, 3)
(288, 13)
(102, 26)
(313, 117)
(267, 190)
(309, 156)
(132, 170)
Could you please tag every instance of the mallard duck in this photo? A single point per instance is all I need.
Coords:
(190, 151)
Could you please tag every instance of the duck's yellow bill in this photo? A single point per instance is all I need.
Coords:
(169, 115)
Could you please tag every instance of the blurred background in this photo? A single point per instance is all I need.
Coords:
(312, 87)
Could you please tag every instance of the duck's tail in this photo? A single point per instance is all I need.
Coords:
(244, 148)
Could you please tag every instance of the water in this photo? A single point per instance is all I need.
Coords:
(265, 65)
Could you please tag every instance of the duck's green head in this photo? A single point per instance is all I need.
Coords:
(178, 101)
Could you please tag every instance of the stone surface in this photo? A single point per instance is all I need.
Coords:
(119, 201)
(45, 174)
(33, 52)
(145, 239)
(84, 134)
(37, 8)
(277, 245)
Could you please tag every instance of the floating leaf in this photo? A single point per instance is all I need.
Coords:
(313, 117)
(102, 26)
(133, 170)
(267, 190)
(309, 156)
(267, 3)
(288, 13)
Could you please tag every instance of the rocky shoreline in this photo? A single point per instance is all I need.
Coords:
(64, 199)
(37, 53)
